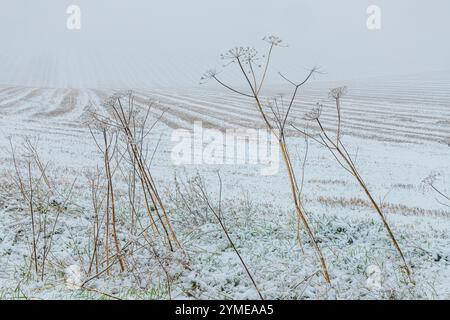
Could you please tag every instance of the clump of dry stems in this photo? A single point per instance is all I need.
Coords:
(120, 135)
(44, 202)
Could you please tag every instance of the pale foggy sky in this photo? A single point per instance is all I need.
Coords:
(146, 43)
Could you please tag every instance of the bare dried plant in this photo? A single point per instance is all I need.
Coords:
(45, 203)
(95, 186)
(275, 114)
(131, 127)
(107, 145)
(343, 157)
(196, 190)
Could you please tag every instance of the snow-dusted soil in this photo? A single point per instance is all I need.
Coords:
(396, 130)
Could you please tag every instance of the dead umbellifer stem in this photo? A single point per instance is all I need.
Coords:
(344, 155)
(218, 216)
(32, 219)
(378, 209)
(96, 229)
(299, 211)
(338, 146)
(113, 207)
(284, 150)
(147, 206)
(146, 176)
(292, 178)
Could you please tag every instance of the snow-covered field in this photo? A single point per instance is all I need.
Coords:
(397, 130)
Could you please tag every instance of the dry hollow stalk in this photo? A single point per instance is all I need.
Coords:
(286, 157)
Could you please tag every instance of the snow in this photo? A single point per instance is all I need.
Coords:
(395, 134)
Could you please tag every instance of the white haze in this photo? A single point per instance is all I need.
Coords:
(143, 43)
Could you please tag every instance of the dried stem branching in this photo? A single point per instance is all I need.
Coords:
(443, 198)
(131, 129)
(44, 202)
(246, 59)
(343, 157)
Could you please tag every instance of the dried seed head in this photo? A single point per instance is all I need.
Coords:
(241, 53)
(337, 93)
(208, 75)
(273, 40)
(315, 113)
(430, 179)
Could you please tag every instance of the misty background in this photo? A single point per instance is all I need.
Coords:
(146, 43)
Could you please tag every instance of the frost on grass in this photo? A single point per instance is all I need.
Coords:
(362, 263)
